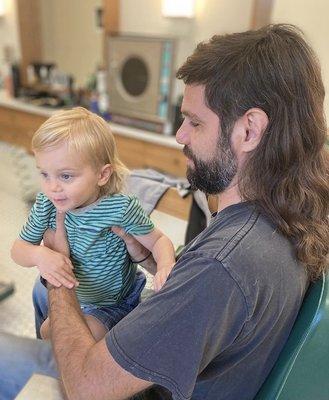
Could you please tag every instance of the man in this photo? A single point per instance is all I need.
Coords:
(253, 134)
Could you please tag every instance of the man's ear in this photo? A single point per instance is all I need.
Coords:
(105, 174)
(255, 121)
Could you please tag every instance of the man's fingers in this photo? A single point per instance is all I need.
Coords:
(52, 280)
(119, 231)
(48, 238)
(156, 284)
(122, 233)
(60, 218)
(69, 263)
(65, 279)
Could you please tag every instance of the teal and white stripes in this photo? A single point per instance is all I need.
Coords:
(102, 264)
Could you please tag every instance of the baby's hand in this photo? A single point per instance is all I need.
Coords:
(161, 276)
(56, 268)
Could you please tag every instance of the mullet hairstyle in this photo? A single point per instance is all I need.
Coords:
(287, 175)
(88, 135)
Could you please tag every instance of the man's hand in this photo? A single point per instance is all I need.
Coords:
(136, 250)
(161, 276)
(55, 265)
(55, 268)
(57, 240)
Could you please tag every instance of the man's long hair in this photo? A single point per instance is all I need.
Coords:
(274, 69)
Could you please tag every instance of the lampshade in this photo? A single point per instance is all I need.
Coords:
(178, 8)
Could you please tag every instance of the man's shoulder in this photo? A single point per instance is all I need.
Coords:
(228, 228)
(248, 245)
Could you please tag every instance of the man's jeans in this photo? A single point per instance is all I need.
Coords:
(21, 357)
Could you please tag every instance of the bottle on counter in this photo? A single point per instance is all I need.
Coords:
(102, 92)
(7, 79)
(30, 75)
(16, 80)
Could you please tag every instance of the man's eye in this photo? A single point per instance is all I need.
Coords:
(43, 174)
(194, 124)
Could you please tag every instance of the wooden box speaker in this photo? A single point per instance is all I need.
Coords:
(140, 71)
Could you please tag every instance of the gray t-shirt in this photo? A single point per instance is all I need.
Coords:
(217, 326)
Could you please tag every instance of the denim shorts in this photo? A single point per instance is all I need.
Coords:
(111, 315)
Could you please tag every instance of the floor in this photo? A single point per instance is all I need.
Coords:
(18, 184)
(16, 312)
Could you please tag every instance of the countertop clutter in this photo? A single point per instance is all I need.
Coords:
(137, 148)
(23, 105)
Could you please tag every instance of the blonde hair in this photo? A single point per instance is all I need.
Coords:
(87, 134)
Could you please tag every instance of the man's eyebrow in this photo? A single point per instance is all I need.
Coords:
(190, 115)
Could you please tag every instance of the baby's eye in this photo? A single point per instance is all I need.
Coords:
(66, 177)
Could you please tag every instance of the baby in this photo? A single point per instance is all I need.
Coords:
(82, 176)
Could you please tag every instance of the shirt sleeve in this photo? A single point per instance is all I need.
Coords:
(38, 219)
(135, 220)
(170, 338)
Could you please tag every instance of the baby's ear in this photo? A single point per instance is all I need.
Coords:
(105, 174)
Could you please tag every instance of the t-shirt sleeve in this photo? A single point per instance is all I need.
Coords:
(171, 337)
(135, 220)
(38, 219)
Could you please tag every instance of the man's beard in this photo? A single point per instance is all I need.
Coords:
(214, 176)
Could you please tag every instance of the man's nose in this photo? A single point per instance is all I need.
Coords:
(182, 135)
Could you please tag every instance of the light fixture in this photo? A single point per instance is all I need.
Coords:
(2, 8)
(178, 8)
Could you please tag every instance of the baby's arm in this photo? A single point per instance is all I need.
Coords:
(55, 267)
(163, 253)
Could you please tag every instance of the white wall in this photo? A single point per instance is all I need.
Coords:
(313, 18)
(144, 16)
(70, 37)
(221, 16)
(212, 16)
(9, 30)
(225, 16)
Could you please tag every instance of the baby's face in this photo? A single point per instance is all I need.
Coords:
(67, 179)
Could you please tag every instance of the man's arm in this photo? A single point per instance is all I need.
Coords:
(136, 250)
(86, 368)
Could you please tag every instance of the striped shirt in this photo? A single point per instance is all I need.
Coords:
(100, 258)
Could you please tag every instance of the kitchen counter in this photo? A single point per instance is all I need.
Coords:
(22, 105)
(137, 148)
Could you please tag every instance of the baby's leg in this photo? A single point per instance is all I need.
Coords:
(45, 329)
(98, 330)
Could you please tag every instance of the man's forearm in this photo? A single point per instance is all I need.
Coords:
(71, 337)
(87, 369)
(163, 252)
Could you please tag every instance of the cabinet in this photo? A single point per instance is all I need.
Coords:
(18, 126)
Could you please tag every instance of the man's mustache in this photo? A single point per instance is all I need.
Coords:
(188, 152)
